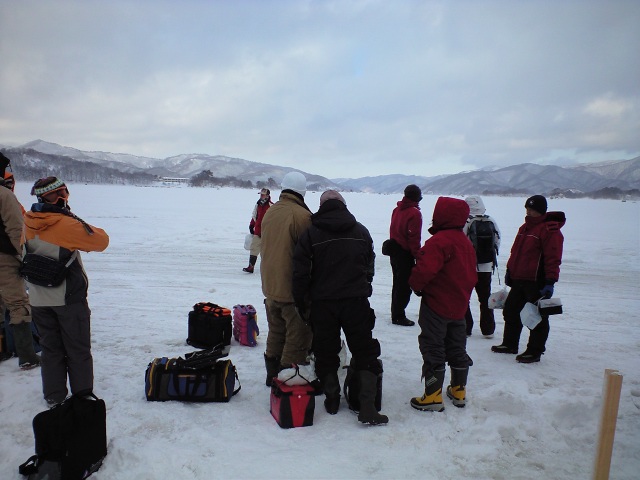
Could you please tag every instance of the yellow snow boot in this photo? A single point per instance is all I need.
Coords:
(457, 391)
(431, 401)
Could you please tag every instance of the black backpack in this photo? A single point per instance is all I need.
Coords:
(482, 233)
(70, 438)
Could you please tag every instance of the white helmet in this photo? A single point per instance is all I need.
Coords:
(295, 181)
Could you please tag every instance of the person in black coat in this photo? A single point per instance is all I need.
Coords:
(333, 267)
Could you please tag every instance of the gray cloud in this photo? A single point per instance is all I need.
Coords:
(336, 88)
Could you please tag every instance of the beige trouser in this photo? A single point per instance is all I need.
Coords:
(255, 246)
(12, 290)
(289, 337)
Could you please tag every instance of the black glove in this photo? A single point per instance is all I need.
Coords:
(251, 229)
(507, 279)
(301, 310)
(419, 294)
(547, 291)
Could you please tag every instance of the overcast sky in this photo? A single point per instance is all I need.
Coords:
(337, 88)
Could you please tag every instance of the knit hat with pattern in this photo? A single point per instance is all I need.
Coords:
(48, 185)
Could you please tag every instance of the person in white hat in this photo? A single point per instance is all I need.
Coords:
(289, 338)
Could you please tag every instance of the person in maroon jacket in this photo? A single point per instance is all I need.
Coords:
(405, 232)
(255, 227)
(444, 276)
(532, 271)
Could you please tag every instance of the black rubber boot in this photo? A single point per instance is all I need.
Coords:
(368, 389)
(331, 385)
(272, 364)
(252, 261)
(27, 357)
(404, 322)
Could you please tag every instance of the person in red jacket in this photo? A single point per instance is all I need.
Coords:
(405, 232)
(255, 227)
(444, 276)
(532, 271)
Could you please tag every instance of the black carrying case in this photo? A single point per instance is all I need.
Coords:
(209, 325)
(70, 440)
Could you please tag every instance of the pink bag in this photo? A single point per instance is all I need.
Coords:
(245, 325)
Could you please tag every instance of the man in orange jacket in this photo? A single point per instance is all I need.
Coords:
(61, 312)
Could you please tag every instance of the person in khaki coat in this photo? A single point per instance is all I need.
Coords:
(13, 294)
(289, 338)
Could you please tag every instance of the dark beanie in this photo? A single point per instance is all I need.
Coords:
(4, 163)
(537, 203)
(413, 192)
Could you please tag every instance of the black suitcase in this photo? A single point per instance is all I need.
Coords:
(70, 438)
(209, 326)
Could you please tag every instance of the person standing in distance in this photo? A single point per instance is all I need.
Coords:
(405, 232)
(255, 227)
(532, 271)
(289, 338)
(62, 313)
(484, 234)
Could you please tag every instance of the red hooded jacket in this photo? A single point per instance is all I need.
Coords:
(536, 253)
(445, 270)
(406, 225)
(258, 214)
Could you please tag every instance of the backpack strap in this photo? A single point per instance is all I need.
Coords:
(238, 380)
(72, 258)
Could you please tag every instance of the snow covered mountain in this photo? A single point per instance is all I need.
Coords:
(38, 157)
(185, 165)
(526, 178)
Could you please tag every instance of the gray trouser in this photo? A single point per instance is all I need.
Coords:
(65, 337)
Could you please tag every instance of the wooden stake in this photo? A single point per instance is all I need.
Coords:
(611, 394)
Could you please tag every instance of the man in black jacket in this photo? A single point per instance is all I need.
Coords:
(333, 267)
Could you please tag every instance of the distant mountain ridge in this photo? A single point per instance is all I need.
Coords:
(40, 158)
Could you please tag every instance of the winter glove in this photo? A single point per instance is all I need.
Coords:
(251, 229)
(547, 291)
(507, 279)
(301, 310)
(419, 294)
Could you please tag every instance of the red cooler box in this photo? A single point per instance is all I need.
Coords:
(292, 405)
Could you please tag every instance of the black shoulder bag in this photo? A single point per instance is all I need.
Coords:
(45, 271)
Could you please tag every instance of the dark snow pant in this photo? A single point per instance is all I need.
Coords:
(487, 321)
(65, 338)
(356, 319)
(441, 340)
(289, 338)
(522, 292)
(401, 264)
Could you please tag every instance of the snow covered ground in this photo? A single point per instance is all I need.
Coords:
(173, 247)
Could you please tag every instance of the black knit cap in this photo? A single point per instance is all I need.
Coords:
(4, 163)
(537, 203)
(413, 192)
